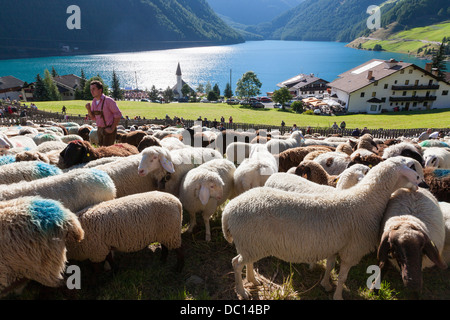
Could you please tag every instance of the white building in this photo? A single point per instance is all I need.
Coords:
(177, 88)
(380, 86)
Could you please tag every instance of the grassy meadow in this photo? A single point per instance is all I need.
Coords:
(392, 120)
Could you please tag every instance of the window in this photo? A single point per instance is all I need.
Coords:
(395, 82)
(362, 94)
(374, 94)
(414, 104)
(375, 83)
(410, 71)
(373, 107)
(445, 92)
(416, 83)
(386, 86)
(406, 82)
(414, 93)
(402, 71)
(404, 93)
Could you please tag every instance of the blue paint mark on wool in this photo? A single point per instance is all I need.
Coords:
(46, 214)
(7, 159)
(46, 170)
(102, 177)
(440, 173)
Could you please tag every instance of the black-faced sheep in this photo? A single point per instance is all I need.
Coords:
(133, 137)
(80, 151)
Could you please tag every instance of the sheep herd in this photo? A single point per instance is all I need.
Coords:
(300, 198)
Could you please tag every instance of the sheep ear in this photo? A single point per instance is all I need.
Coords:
(433, 254)
(383, 249)
(167, 165)
(203, 195)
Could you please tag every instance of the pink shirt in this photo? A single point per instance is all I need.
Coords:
(110, 111)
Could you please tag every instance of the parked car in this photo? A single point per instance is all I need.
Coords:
(145, 100)
(232, 101)
(204, 100)
(277, 105)
(266, 99)
(257, 104)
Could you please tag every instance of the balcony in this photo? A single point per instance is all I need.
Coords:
(412, 99)
(414, 87)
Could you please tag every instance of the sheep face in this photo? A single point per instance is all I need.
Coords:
(155, 158)
(412, 173)
(431, 161)
(407, 244)
(75, 152)
(210, 189)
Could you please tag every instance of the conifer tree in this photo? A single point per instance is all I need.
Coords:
(40, 91)
(116, 92)
(52, 90)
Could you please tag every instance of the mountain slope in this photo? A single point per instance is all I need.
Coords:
(39, 27)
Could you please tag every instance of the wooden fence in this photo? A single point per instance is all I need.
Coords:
(41, 117)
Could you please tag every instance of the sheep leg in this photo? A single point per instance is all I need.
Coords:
(192, 222)
(180, 259)
(343, 273)
(250, 274)
(238, 264)
(164, 253)
(331, 261)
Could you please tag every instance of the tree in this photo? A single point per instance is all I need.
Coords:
(438, 61)
(168, 95)
(79, 92)
(153, 94)
(227, 92)
(116, 92)
(249, 85)
(216, 90)
(212, 96)
(297, 106)
(54, 73)
(40, 91)
(52, 90)
(200, 88)
(185, 90)
(281, 96)
(208, 87)
(378, 47)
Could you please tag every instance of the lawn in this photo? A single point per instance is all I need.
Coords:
(393, 120)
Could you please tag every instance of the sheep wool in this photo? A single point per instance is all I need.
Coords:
(26, 171)
(76, 189)
(128, 224)
(34, 234)
(266, 222)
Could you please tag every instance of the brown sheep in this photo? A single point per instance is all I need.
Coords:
(133, 137)
(368, 160)
(292, 157)
(78, 151)
(314, 172)
(438, 181)
(148, 141)
(83, 132)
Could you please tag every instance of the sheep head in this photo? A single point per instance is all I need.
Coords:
(407, 243)
(411, 172)
(76, 152)
(209, 186)
(153, 159)
(431, 161)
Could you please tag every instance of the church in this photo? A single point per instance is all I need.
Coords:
(180, 83)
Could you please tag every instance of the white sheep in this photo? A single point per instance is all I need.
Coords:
(413, 232)
(238, 151)
(406, 149)
(276, 146)
(8, 144)
(352, 176)
(34, 232)
(254, 171)
(167, 168)
(333, 162)
(129, 224)
(204, 188)
(75, 190)
(42, 137)
(26, 171)
(270, 222)
(437, 157)
(445, 208)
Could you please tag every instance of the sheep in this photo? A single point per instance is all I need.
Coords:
(129, 224)
(33, 247)
(133, 138)
(368, 159)
(172, 143)
(434, 144)
(75, 190)
(314, 172)
(437, 157)
(205, 188)
(269, 222)
(351, 176)
(50, 146)
(148, 141)
(7, 159)
(93, 136)
(167, 168)
(80, 151)
(236, 152)
(42, 137)
(29, 171)
(83, 131)
(224, 138)
(413, 232)
(292, 157)
(16, 142)
(334, 163)
(405, 149)
(438, 181)
(366, 142)
(445, 209)
(254, 171)
(70, 137)
(276, 146)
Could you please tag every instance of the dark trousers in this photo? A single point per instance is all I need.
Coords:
(106, 139)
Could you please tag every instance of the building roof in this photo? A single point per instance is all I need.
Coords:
(299, 81)
(367, 73)
(69, 81)
(8, 82)
(178, 73)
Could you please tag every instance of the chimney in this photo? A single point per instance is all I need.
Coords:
(428, 66)
(370, 75)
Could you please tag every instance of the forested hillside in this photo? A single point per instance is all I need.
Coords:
(39, 28)
(345, 20)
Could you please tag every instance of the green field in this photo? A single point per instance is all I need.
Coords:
(191, 111)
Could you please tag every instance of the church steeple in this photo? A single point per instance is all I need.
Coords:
(178, 73)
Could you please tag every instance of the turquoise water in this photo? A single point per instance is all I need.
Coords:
(272, 61)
